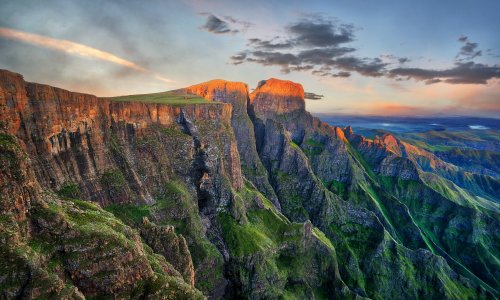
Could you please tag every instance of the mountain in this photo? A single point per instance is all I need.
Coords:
(212, 191)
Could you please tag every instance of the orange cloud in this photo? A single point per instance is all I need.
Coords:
(75, 49)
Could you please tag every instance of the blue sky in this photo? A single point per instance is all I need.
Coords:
(386, 57)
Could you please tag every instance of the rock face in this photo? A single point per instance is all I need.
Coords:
(244, 196)
(274, 96)
(236, 93)
(70, 249)
(74, 136)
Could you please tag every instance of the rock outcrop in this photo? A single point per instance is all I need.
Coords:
(276, 96)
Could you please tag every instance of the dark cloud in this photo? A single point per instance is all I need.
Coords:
(311, 44)
(216, 25)
(301, 68)
(312, 96)
(238, 58)
(342, 74)
(463, 39)
(269, 45)
(463, 71)
(267, 58)
(432, 81)
(318, 45)
(403, 60)
(323, 56)
(320, 33)
(468, 72)
(468, 51)
(367, 67)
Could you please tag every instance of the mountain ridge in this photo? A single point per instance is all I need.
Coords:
(249, 184)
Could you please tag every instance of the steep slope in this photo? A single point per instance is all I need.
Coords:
(236, 93)
(66, 248)
(461, 226)
(213, 190)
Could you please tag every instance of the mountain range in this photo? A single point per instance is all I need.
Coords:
(214, 192)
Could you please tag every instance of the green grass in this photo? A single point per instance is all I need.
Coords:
(294, 145)
(170, 98)
(129, 213)
(337, 187)
(445, 140)
(69, 190)
(264, 231)
(313, 143)
(312, 148)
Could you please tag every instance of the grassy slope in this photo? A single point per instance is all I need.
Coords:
(171, 98)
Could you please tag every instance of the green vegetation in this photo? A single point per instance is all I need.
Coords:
(7, 140)
(337, 187)
(294, 145)
(69, 190)
(113, 180)
(312, 148)
(129, 213)
(171, 98)
(289, 265)
(446, 140)
(94, 241)
(357, 156)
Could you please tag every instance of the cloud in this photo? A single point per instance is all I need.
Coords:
(468, 50)
(468, 72)
(463, 39)
(320, 46)
(464, 70)
(342, 74)
(238, 58)
(403, 60)
(323, 56)
(320, 33)
(217, 25)
(269, 45)
(244, 24)
(74, 49)
(313, 44)
(367, 67)
(312, 96)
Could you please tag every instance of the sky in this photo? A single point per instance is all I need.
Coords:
(379, 57)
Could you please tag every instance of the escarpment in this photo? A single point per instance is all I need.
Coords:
(245, 195)
(236, 93)
(74, 137)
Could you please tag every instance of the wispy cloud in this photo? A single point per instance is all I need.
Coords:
(75, 49)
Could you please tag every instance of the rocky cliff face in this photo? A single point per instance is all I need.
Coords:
(244, 196)
(236, 93)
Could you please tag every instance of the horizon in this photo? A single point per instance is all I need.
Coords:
(365, 61)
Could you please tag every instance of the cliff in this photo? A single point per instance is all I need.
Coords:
(237, 196)
(236, 93)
